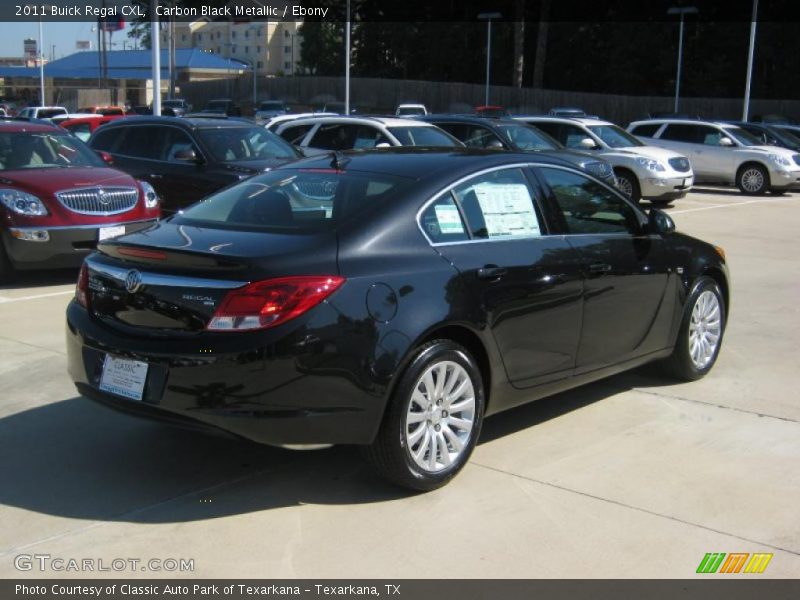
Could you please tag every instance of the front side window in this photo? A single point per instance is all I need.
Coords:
(228, 144)
(528, 138)
(648, 130)
(587, 207)
(334, 136)
(296, 133)
(499, 205)
(294, 200)
(745, 138)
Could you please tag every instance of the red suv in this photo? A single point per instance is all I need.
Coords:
(58, 198)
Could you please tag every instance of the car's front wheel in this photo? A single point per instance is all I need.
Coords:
(628, 184)
(700, 335)
(433, 420)
(752, 180)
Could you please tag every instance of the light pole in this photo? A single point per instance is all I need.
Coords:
(753, 23)
(252, 65)
(39, 8)
(488, 16)
(347, 64)
(155, 43)
(680, 10)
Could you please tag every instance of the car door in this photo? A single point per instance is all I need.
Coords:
(710, 157)
(181, 182)
(527, 284)
(627, 311)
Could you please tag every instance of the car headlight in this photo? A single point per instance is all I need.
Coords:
(651, 165)
(779, 160)
(22, 203)
(151, 199)
(599, 169)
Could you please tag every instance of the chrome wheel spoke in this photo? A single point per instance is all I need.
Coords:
(454, 440)
(705, 329)
(416, 417)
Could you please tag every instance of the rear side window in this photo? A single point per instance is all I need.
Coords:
(442, 221)
(296, 133)
(499, 205)
(648, 130)
(689, 134)
(294, 201)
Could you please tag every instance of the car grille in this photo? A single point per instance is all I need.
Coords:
(99, 200)
(796, 159)
(680, 164)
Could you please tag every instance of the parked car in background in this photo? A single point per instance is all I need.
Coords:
(725, 154)
(564, 111)
(186, 159)
(514, 136)
(223, 106)
(41, 112)
(269, 109)
(391, 300)
(771, 135)
(491, 111)
(84, 126)
(103, 110)
(178, 106)
(410, 110)
(3, 113)
(9, 107)
(642, 171)
(321, 134)
(58, 198)
(793, 130)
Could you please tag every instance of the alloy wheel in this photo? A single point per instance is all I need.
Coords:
(705, 329)
(753, 180)
(440, 417)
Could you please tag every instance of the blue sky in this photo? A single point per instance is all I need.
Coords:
(63, 35)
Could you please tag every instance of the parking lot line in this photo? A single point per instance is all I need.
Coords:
(5, 300)
(763, 200)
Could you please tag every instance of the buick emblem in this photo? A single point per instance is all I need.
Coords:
(133, 281)
(102, 197)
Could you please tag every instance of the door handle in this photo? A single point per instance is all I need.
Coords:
(491, 272)
(156, 176)
(552, 279)
(599, 268)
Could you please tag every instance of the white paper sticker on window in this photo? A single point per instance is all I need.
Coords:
(448, 218)
(507, 209)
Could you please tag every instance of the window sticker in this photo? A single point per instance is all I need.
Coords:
(507, 209)
(448, 218)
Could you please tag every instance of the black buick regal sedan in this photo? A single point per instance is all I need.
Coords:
(391, 299)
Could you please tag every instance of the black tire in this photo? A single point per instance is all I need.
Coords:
(680, 364)
(629, 185)
(390, 454)
(660, 203)
(776, 192)
(7, 271)
(752, 179)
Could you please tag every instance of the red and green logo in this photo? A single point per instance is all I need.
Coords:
(736, 562)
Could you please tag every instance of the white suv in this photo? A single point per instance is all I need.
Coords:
(724, 153)
(320, 134)
(648, 172)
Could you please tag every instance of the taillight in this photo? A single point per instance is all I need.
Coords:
(268, 303)
(82, 288)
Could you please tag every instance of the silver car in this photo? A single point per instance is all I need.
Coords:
(642, 171)
(726, 154)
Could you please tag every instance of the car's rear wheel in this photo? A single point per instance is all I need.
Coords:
(628, 184)
(700, 335)
(433, 420)
(752, 180)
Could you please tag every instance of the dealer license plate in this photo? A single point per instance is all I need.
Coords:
(123, 377)
(105, 233)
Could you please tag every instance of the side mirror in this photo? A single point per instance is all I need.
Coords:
(187, 155)
(725, 141)
(383, 145)
(107, 158)
(659, 222)
(588, 143)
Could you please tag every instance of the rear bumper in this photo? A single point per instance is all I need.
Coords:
(279, 391)
(666, 188)
(64, 247)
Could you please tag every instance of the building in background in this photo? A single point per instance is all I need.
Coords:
(273, 47)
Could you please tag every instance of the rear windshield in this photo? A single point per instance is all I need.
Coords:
(46, 113)
(289, 200)
(528, 138)
(230, 144)
(44, 150)
(423, 136)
